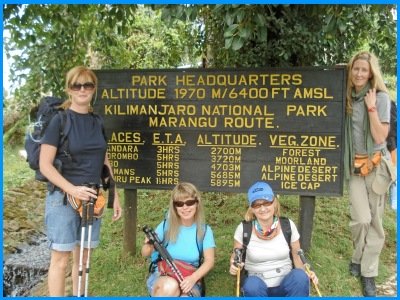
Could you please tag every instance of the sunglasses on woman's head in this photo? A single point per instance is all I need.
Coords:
(187, 203)
(87, 86)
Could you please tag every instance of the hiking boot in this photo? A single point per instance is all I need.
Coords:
(355, 269)
(368, 286)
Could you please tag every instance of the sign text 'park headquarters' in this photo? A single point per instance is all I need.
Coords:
(224, 129)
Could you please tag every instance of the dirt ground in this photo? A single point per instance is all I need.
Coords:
(23, 221)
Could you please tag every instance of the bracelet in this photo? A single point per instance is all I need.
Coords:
(372, 109)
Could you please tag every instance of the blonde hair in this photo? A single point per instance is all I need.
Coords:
(250, 216)
(72, 76)
(376, 79)
(183, 190)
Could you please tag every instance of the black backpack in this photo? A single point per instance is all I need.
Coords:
(48, 108)
(392, 136)
(247, 231)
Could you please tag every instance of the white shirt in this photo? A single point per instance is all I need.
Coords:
(268, 259)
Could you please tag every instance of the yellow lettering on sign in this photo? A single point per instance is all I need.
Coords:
(167, 173)
(129, 172)
(227, 139)
(306, 110)
(300, 152)
(125, 137)
(238, 80)
(309, 185)
(167, 165)
(167, 138)
(121, 179)
(312, 93)
(138, 179)
(136, 93)
(282, 140)
(289, 185)
(149, 80)
(167, 180)
(255, 122)
(318, 141)
(168, 157)
(122, 148)
(196, 122)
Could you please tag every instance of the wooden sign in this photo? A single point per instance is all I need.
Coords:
(225, 129)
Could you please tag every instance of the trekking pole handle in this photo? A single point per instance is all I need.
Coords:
(93, 185)
(238, 257)
(151, 235)
(154, 239)
(84, 214)
(300, 253)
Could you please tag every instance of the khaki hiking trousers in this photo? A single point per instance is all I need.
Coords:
(366, 211)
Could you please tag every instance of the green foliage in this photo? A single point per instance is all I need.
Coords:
(292, 35)
(116, 274)
(44, 41)
(147, 43)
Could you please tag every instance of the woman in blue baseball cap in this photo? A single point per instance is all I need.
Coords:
(268, 246)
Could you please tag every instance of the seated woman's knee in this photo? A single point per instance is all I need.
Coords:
(254, 286)
(166, 286)
(300, 274)
(296, 283)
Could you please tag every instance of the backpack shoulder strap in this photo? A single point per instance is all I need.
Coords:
(65, 127)
(286, 229)
(199, 244)
(201, 258)
(164, 230)
(63, 123)
(247, 230)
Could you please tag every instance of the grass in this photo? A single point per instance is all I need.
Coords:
(15, 168)
(114, 273)
(117, 274)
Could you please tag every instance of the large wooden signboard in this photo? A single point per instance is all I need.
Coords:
(224, 129)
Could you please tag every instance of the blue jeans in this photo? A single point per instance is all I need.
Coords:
(63, 225)
(294, 284)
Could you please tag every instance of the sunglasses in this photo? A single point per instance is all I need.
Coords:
(187, 203)
(87, 86)
(259, 204)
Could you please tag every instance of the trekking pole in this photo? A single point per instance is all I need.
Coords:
(90, 203)
(153, 239)
(83, 231)
(236, 261)
(308, 270)
(90, 224)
